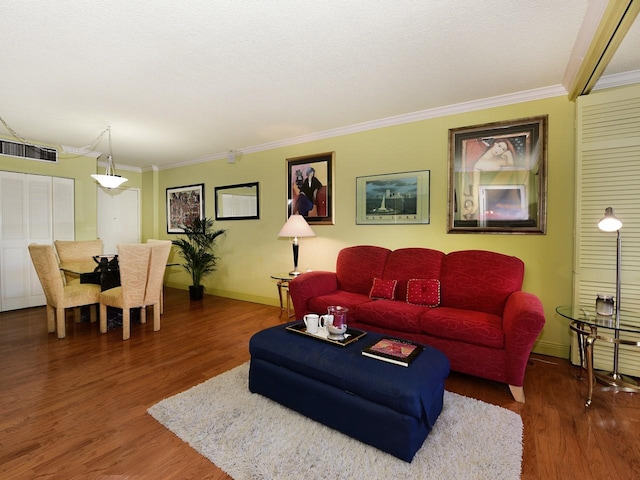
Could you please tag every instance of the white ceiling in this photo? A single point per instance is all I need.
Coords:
(185, 81)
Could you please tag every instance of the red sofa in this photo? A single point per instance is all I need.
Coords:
(479, 318)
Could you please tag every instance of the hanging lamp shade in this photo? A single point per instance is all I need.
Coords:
(109, 179)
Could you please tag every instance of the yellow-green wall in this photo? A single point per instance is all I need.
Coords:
(251, 249)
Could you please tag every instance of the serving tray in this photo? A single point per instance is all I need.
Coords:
(350, 336)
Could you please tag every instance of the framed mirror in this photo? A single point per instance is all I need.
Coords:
(238, 202)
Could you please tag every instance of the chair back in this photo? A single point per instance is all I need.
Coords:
(160, 250)
(73, 251)
(46, 265)
(133, 259)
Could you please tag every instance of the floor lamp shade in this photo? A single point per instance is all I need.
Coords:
(295, 228)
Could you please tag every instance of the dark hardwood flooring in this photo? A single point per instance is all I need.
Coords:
(76, 407)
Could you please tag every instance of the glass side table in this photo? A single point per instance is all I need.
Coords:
(283, 285)
(591, 327)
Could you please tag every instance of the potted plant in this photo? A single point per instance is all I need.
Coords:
(197, 250)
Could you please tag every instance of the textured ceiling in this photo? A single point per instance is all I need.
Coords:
(184, 81)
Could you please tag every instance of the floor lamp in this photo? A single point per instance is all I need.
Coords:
(611, 223)
(296, 227)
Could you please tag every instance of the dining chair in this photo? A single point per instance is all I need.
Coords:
(60, 296)
(150, 241)
(160, 250)
(77, 251)
(133, 261)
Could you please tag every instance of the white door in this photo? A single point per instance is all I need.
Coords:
(118, 217)
(27, 215)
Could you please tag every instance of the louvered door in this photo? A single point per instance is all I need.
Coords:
(608, 175)
(33, 208)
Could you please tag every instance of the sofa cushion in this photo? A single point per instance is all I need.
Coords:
(383, 289)
(349, 300)
(356, 267)
(478, 328)
(406, 263)
(479, 280)
(391, 314)
(421, 291)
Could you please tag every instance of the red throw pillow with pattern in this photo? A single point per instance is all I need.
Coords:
(383, 289)
(421, 291)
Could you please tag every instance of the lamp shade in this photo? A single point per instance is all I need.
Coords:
(609, 223)
(109, 179)
(296, 226)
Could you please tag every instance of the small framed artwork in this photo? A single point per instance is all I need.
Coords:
(310, 188)
(393, 199)
(183, 205)
(498, 177)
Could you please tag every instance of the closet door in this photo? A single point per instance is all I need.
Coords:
(608, 175)
(26, 218)
(27, 212)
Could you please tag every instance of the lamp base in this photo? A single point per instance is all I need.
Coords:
(617, 382)
(295, 273)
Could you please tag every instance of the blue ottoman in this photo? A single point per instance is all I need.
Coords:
(388, 406)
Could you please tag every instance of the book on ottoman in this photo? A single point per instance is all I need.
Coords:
(392, 350)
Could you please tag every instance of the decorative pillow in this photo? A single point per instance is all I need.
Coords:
(383, 289)
(421, 291)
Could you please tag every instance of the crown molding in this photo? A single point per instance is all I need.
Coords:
(618, 80)
(491, 102)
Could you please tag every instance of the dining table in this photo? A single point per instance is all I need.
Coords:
(104, 271)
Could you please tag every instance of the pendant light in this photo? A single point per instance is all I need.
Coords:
(109, 179)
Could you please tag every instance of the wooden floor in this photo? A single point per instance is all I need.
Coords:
(76, 407)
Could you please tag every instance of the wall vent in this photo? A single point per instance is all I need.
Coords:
(25, 150)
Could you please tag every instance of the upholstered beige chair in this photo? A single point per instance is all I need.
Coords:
(153, 295)
(133, 261)
(153, 240)
(72, 252)
(60, 296)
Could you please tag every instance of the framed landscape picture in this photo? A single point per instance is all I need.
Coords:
(310, 190)
(183, 205)
(498, 177)
(392, 199)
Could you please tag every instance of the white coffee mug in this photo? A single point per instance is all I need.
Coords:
(325, 320)
(311, 321)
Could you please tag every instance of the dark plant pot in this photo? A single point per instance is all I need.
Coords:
(196, 293)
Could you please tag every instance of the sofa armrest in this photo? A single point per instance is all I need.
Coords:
(309, 285)
(523, 320)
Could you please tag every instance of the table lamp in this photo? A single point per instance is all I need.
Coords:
(295, 227)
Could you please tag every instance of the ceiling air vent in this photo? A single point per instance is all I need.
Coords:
(25, 150)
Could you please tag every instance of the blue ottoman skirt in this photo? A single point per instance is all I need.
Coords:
(384, 405)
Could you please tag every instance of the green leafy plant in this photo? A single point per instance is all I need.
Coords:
(197, 248)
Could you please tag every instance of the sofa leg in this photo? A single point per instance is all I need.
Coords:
(517, 392)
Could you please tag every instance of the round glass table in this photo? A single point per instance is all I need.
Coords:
(591, 327)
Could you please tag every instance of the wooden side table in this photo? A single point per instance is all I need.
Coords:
(283, 280)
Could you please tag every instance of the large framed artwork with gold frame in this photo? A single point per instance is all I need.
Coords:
(498, 177)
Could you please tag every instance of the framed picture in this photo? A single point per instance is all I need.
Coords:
(183, 205)
(498, 177)
(310, 191)
(392, 199)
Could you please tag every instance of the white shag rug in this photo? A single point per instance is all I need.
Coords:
(252, 437)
